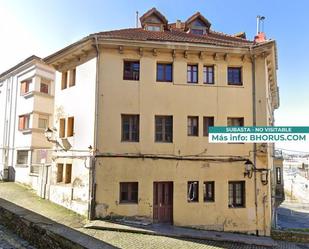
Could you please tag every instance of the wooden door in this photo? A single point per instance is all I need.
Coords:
(163, 202)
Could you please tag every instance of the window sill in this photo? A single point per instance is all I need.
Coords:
(26, 131)
(164, 142)
(128, 203)
(131, 80)
(236, 207)
(34, 174)
(21, 165)
(127, 141)
(234, 84)
(164, 81)
(209, 201)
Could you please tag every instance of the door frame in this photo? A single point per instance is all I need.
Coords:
(172, 201)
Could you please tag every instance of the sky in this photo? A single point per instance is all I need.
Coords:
(43, 27)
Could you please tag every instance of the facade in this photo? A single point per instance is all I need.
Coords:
(26, 102)
(142, 104)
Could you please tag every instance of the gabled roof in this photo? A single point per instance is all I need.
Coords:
(27, 60)
(175, 35)
(155, 12)
(198, 15)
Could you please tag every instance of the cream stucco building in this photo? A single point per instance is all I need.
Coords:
(26, 110)
(135, 105)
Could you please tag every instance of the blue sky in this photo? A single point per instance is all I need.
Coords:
(42, 27)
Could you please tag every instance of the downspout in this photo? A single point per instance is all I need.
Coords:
(92, 175)
(254, 144)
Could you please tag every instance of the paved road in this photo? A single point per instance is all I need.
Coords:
(9, 240)
(293, 215)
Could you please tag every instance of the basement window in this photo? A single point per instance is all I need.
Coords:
(129, 192)
(192, 194)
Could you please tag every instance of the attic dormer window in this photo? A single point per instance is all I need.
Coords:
(153, 20)
(197, 24)
(198, 31)
(153, 28)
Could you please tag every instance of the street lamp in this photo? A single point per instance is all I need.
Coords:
(48, 134)
(248, 168)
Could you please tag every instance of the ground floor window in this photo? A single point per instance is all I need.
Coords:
(22, 157)
(209, 191)
(192, 194)
(236, 194)
(64, 173)
(128, 192)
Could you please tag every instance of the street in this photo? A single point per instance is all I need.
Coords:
(293, 215)
(9, 240)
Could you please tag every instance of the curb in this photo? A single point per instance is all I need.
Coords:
(42, 232)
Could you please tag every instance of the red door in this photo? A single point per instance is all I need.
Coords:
(163, 202)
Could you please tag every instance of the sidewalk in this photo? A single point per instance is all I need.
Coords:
(180, 232)
(77, 226)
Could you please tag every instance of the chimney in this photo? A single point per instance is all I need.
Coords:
(260, 37)
(178, 24)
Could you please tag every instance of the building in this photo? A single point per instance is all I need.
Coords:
(27, 104)
(137, 118)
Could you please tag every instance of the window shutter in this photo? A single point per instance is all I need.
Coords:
(21, 123)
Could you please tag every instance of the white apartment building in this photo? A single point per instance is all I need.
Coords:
(26, 110)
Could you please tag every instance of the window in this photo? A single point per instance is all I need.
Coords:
(197, 31)
(165, 72)
(70, 129)
(234, 76)
(128, 192)
(192, 126)
(278, 175)
(235, 121)
(192, 73)
(131, 70)
(60, 172)
(130, 128)
(64, 80)
(23, 122)
(192, 193)
(153, 28)
(22, 157)
(208, 122)
(62, 128)
(208, 74)
(43, 122)
(72, 77)
(24, 86)
(164, 129)
(44, 86)
(237, 194)
(64, 175)
(209, 191)
(68, 173)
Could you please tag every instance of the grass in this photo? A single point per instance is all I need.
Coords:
(306, 230)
